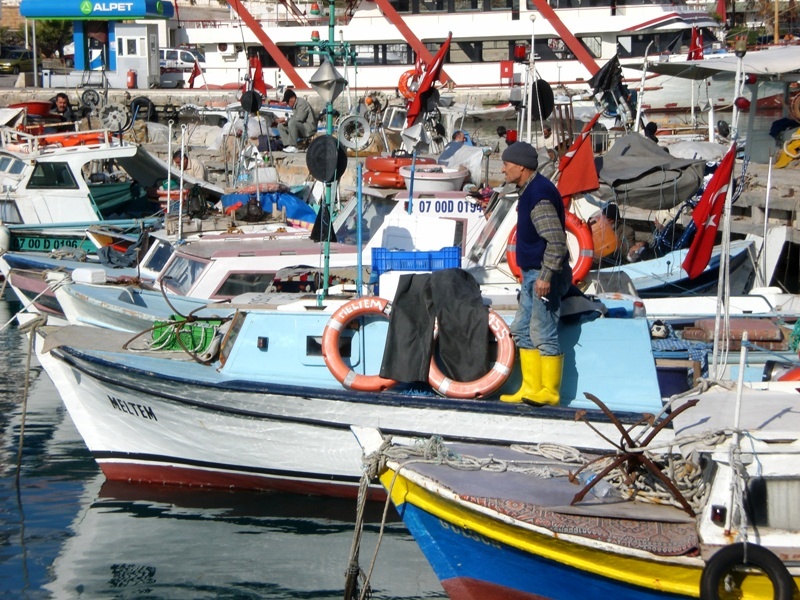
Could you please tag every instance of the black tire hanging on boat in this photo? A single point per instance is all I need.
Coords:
(730, 556)
(144, 108)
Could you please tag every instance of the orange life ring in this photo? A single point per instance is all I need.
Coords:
(404, 85)
(576, 227)
(490, 382)
(69, 140)
(793, 375)
(383, 179)
(361, 307)
(392, 164)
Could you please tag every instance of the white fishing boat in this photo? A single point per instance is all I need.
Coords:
(570, 42)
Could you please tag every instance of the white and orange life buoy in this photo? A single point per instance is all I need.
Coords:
(392, 164)
(407, 80)
(791, 375)
(68, 140)
(383, 179)
(490, 382)
(577, 227)
(362, 307)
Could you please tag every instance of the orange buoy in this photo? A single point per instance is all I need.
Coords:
(392, 164)
(362, 307)
(576, 227)
(404, 86)
(383, 179)
(483, 386)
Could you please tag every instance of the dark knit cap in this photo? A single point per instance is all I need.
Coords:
(522, 154)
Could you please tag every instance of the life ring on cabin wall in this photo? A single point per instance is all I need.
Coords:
(490, 382)
(362, 307)
(575, 226)
(792, 375)
(720, 565)
(407, 79)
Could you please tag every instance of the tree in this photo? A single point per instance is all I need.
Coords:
(52, 36)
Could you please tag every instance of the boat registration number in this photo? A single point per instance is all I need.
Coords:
(448, 206)
(49, 243)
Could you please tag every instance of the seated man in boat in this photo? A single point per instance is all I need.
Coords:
(302, 123)
(61, 108)
(190, 166)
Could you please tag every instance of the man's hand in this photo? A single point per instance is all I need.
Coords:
(541, 288)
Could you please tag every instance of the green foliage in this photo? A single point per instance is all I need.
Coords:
(52, 36)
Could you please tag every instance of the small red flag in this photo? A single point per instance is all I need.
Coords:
(195, 72)
(707, 214)
(578, 172)
(696, 45)
(257, 75)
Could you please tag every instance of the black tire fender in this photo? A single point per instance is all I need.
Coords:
(721, 563)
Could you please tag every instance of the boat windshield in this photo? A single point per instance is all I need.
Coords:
(157, 256)
(182, 273)
(497, 214)
(374, 211)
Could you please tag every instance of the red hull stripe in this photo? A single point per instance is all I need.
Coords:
(466, 588)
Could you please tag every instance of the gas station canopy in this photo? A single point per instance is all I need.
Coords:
(96, 10)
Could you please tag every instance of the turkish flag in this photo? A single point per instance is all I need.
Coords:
(195, 72)
(707, 214)
(578, 172)
(259, 84)
(696, 46)
(419, 103)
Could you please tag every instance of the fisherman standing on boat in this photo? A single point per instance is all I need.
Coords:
(543, 258)
(302, 123)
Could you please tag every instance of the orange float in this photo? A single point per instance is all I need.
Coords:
(793, 375)
(383, 179)
(405, 83)
(362, 307)
(576, 227)
(392, 164)
(490, 382)
(69, 140)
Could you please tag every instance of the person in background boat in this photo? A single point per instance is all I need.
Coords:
(60, 107)
(191, 166)
(543, 258)
(302, 123)
(650, 131)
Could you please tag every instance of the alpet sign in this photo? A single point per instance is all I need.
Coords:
(88, 7)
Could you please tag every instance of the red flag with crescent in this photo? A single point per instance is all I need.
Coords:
(707, 214)
(426, 85)
(696, 46)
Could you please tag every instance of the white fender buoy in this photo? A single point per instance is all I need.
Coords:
(5, 239)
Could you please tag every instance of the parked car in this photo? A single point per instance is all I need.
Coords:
(180, 58)
(16, 60)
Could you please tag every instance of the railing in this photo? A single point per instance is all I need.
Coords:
(38, 142)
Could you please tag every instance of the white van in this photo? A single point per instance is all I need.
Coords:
(176, 63)
(180, 58)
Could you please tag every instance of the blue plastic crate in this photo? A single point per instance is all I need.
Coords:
(384, 260)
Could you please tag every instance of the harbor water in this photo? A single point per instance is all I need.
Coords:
(68, 533)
